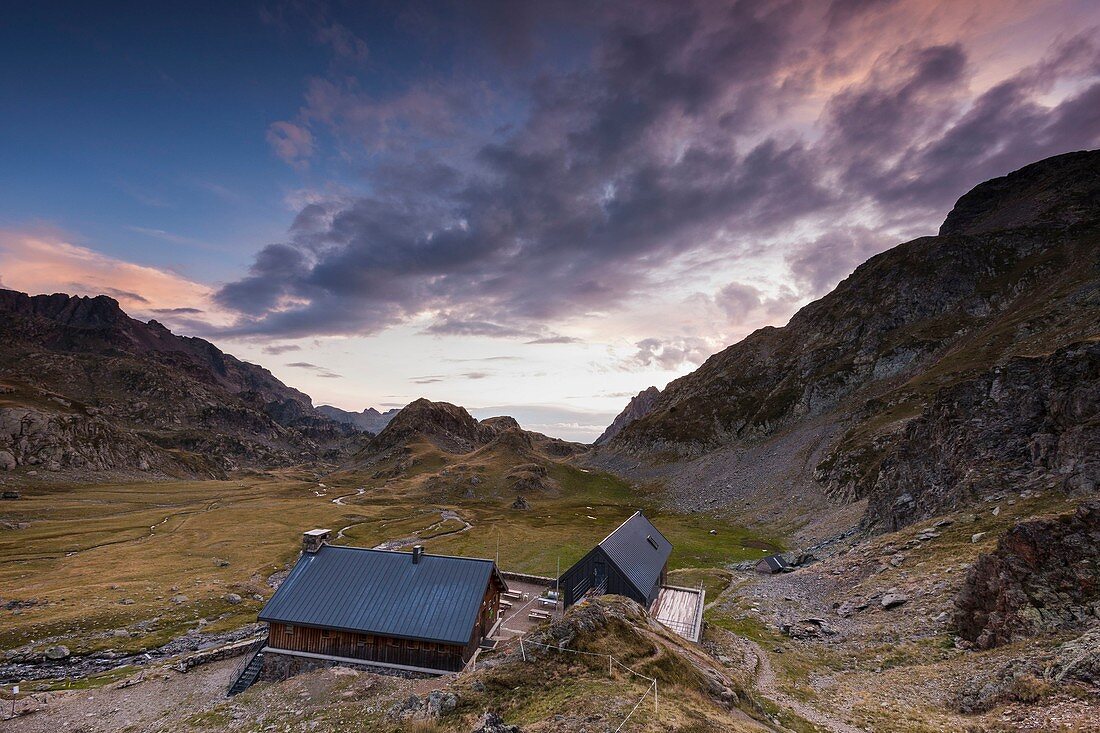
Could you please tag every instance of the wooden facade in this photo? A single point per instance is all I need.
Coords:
(405, 652)
(596, 569)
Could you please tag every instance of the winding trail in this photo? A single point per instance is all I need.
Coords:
(766, 685)
(765, 680)
(444, 515)
(339, 501)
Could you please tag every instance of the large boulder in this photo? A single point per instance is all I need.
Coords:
(1043, 576)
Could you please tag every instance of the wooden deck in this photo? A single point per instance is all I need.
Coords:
(681, 610)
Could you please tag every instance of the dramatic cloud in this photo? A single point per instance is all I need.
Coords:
(501, 201)
(819, 265)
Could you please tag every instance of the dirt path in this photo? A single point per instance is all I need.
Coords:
(766, 684)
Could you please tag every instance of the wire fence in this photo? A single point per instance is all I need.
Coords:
(611, 664)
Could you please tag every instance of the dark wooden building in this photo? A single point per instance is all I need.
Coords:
(398, 609)
(631, 561)
(772, 565)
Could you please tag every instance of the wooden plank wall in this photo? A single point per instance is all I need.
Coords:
(368, 647)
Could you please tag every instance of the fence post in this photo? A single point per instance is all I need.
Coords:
(610, 661)
(656, 712)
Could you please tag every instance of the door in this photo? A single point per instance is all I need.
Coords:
(599, 576)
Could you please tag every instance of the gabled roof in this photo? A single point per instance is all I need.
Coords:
(385, 593)
(639, 551)
(775, 562)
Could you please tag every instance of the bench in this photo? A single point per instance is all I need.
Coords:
(539, 616)
(505, 604)
(544, 601)
(515, 595)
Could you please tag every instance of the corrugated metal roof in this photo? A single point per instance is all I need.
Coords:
(639, 551)
(383, 592)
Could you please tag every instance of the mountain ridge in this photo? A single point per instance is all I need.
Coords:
(894, 337)
(87, 387)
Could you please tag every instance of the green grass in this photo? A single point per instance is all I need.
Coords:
(88, 547)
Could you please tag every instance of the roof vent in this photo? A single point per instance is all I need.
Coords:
(650, 540)
(418, 551)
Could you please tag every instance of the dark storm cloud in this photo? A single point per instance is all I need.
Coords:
(664, 142)
(820, 264)
(913, 141)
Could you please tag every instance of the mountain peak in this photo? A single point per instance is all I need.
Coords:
(1054, 193)
(639, 406)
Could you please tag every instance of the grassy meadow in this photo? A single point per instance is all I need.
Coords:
(97, 558)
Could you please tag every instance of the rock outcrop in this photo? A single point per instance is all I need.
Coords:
(639, 406)
(1030, 423)
(1043, 576)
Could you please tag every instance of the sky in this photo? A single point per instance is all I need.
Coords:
(530, 208)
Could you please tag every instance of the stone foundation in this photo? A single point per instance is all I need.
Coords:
(278, 666)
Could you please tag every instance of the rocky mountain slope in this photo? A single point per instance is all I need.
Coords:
(86, 387)
(369, 420)
(885, 388)
(639, 406)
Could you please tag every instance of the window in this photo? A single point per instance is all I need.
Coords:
(650, 540)
(394, 642)
(363, 640)
(288, 630)
(325, 633)
(411, 644)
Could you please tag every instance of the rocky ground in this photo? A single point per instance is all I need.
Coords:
(865, 639)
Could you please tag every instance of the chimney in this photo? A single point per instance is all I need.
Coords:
(418, 551)
(313, 539)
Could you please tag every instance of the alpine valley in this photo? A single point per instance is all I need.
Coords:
(920, 447)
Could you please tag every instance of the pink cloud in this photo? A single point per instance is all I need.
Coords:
(43, 262)
(293, 143)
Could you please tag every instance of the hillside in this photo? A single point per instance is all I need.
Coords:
(868, 393)
(84, 387)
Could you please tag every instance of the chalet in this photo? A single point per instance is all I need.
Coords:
(410, 611)
(631, 561)
(772, 565)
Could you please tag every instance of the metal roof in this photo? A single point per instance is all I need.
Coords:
(639, 551)
(775, 562)
(383, 592)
